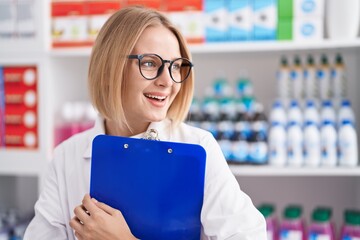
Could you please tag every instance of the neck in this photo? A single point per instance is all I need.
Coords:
(115, 129)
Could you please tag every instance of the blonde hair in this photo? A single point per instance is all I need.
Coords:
(115, 41)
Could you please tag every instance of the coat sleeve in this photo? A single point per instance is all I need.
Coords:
(49, 221)
(228, 212)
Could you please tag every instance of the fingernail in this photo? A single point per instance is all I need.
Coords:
(94, 200)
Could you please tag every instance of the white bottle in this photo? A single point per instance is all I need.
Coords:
(311, 113)
(327, 112)
(342, 18)
(312, 152)
(294, 145)
(297, 79)
(283, 79)
(346, 112)
(277, 144)
(338, 78)
(328, 138)
(295, 113)
(323, 78)
(310, 78)
(348, 152)
(278, 114)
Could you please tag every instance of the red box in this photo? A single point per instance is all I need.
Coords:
(21, 113)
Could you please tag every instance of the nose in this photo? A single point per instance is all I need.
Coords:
(164, 78)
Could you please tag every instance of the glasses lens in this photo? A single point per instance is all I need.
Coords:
(149, 66)
(180, 69)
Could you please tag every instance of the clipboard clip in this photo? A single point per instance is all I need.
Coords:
(151, 134)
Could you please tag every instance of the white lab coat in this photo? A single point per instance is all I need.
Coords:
(227, 212)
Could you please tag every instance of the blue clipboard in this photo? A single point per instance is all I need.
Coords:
(158, 186)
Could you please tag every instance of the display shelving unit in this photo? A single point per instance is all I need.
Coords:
(62, 77)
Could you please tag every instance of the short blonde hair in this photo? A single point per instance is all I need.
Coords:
(115, 41)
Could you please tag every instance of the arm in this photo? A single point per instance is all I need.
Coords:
(227, 213)
(96, 220)
(48, 222)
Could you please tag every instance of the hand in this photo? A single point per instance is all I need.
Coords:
(96, 220)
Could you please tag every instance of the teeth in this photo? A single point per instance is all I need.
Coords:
(156, 97)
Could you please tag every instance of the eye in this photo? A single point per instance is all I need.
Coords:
(176, 66)
(148, 63)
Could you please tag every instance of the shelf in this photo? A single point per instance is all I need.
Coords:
(21, 162)
(229, 47)
(270, 171)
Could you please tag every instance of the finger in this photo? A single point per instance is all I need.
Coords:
(78, 236)
(89, 204)
(76, 225)
(108, 209)
(81, 213)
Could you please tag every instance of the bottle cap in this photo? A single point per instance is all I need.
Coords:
(321, 214)
(352, 217)
(266, 209)
(292, 212)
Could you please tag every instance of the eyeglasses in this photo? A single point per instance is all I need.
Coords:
(152, 65)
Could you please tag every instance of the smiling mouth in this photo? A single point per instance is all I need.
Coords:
(157, 98)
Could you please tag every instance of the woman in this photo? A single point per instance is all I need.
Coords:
(140, 78)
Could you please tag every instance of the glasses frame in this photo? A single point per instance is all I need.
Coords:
(139, 57)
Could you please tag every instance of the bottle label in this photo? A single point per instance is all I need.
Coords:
(318, 236)
(258, 152)
(290, 235)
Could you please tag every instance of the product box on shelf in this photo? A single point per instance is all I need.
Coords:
(17, 19)
(99, 12)
(264, 19)
(2, 109)
(188, 17)
(155, 4)
(8, 19)
(240, 20)
(20, 111)
(69, 24)
(25, 18)
(216, 24)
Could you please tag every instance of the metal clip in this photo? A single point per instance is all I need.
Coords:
(151, 134)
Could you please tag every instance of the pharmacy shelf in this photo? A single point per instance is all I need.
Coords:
(269, 171)
(16, 162)
(237, 47)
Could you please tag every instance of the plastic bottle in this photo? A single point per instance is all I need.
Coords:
(268, 211)
(327, 112)
(311, 113)
(225, 126)
(195, 113)
(312, 151)
(277, 144)
(283, 79)
(258, 148)
(294, 145)
(346, 112)
(328, 139)
(310, 78)
(244, 86)
(297, 79)
(351, 226)
(338, 78)
(323, 78)
(321, 227)
(292, 226)
(278, 114)
(294, 113)
(210, 110)
(222, 87)
(348, 152)
(89, 117)
(240, 145)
